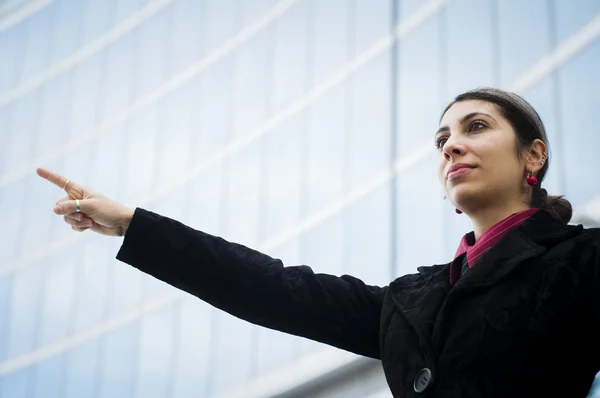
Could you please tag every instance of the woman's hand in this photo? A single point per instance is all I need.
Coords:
(96, 212)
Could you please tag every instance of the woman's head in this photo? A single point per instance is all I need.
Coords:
(501, 140)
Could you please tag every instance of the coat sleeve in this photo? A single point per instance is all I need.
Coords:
(340, 311)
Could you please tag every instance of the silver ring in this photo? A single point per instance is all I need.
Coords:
(66, 183)
(77, 206)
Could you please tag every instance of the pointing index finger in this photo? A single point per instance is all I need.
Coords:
(54, 178)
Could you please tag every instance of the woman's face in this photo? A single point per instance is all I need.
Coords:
(478, 161)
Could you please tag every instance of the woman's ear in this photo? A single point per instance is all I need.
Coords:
(536, 156)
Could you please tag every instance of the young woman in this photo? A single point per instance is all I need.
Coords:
(516, 313)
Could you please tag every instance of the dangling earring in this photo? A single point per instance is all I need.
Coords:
(457, 211)
(531, 179)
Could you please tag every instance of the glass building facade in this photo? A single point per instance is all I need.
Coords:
(303, 128)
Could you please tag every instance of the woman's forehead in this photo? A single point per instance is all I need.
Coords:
(460, 109)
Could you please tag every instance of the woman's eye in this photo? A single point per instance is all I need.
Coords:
(476, 125)
(439, 143)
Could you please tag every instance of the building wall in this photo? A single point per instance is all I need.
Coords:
(303, 128)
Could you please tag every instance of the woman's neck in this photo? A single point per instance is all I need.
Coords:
(485, 218)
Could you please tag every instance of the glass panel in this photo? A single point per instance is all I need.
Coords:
(408, 7)
(125, 284)
(283, 173)
(523, 34)
(89, 77)
(23, 130)
(322, 247)
(141, 149)
(81, 370)
(107, 174)
(373, 21)
(367, 247)
(155, 354)
(232, 352)
(12, 200)
(55, 113)
(16, 384)
(419, 211)
(5, 291)
(48, 378)
(98, 18)
(595, 390)
(186, 33)
(37, 43)
(193, 346)
(221, 22)
(68, 28)
(419, 88)
(243, 195)
(250, 87)
(214, 110)
(204, 201)
(11, 62)
(290, 55)
(330, 36)
(151, 53)
(59, 296)
(326, 140)
(118, 361)
(470, 59)
(91, 290)
(120, 75)
(24, 310)
(370, 132)
(580, 102)
(572, 15)
(254, 9)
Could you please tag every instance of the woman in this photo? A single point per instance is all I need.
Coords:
(516, 313)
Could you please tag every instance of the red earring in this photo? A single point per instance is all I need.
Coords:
(458, 211)
(531, 180)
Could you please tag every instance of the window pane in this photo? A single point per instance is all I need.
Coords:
(580, 102)
(326, 138)
(250, 89)
(322, 247)
(59, 295)
(204, 201)
(81, 370)
(284, 155)
(419, 211)
(243, 195)
(370, 132)
(470, 57)
(221, 22)
(373, 21)
(24, 311)
(155, 354)
(23, 130)
(254, 9)
(290, 55)
(5, 291)
(232, 352)
(367, 247)
(118, 362)
(193, 342)
(186, 33)
(37, 44)
(151, 55)
(48, 378)
(98, 17)
(524, 36)
(16, 384)
(67, 29)
(90, 77)
(572, 15)
(12, 198)
(11, 62)
(419, 92)
(330, 37)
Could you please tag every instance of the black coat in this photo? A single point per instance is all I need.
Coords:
(523, 322)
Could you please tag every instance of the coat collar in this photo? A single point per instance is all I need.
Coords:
(530, 239)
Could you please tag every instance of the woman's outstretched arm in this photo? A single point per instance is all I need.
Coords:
(340, 311)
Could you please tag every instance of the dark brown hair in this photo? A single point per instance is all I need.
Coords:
(528, 126)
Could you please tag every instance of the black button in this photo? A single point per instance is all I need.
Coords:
(423, 380)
